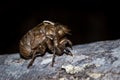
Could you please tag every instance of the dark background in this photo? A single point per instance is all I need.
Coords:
(89, 21)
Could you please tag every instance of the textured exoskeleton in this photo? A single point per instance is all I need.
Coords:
(45, 36)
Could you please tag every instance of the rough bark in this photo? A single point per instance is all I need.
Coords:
(93, 61)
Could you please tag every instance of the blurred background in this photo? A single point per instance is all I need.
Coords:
(89, 21)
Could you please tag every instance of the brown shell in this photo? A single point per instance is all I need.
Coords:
(46, 35)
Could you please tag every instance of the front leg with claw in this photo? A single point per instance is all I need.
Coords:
(64, 43)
